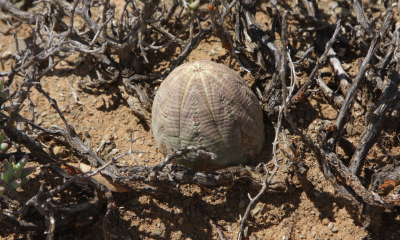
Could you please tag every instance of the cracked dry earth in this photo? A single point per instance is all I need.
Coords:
(303, 211)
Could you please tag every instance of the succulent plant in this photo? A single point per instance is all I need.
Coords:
(3, 146)
(207, 105)
(14, 174)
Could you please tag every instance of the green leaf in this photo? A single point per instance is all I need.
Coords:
(24, 180)
(26, 171)
(15, 184)
(17, 174)
(4, 176)
(10, 174)
(6, 164)
(21, 163)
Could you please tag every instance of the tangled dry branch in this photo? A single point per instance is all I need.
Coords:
(118, 46)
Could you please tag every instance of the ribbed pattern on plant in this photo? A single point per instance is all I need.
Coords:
(207, 105)
(14, 173)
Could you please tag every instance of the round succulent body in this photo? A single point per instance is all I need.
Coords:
(209, 106)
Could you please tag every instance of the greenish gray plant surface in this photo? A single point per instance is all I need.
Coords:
(208, 105)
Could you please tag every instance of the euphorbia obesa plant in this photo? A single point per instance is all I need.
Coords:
(209, 106)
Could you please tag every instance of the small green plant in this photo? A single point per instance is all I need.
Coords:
(3, 146)
(3, 92)
(13, 173)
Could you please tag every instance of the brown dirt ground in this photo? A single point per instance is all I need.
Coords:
(313, 212)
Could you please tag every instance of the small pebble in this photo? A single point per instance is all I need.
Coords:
(333, 4)
(325, 221)
(346, 66)
(115, 151)
(60, 151)
(157, 232)
(330, 225)
(257, 208)
(350, 129)
(246, 229)
(39, 120)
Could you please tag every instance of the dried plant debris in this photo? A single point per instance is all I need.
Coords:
(76, 76)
